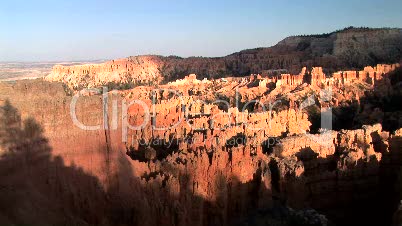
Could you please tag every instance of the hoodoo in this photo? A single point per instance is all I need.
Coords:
(307, 132)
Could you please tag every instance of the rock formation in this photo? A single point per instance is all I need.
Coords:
(137, 70)
(176, 148)
(347, 49)
(212, 151)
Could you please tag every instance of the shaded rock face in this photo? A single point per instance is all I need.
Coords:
(219, 165)
(346, 179)
(343, 50)
(91, 172)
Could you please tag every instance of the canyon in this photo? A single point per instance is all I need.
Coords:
(210, 141)
(347, 49)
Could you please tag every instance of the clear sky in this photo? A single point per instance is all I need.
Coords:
(84, 30)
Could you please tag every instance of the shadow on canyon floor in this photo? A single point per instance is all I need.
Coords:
(379, 105)
(37, 188)
(366, 192)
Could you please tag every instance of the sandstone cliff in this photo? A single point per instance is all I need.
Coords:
(199, 181)
(133, 70)
(197, 161)
(212, 163)
(347, 49)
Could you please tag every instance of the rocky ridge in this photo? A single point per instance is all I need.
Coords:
(223, 151)
(214, 163)
(347, 49)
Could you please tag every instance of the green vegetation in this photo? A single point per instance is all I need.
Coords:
(129, 85)
(120, 86)
(67, 89)
(346, 29)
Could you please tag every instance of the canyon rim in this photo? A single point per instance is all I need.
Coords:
(305, 132)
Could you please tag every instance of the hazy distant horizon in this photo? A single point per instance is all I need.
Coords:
(103, 60)
(47, 31)
(54, 61)
(164, 55)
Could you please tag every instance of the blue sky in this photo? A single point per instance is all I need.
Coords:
(85, 30)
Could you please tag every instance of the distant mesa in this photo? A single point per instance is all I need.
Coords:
(347, 49)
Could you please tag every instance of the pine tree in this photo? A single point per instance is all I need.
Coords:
(34, 145)
(10, 127)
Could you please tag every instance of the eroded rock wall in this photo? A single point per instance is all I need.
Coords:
(348, 49)
(213, 165)
(137, 70)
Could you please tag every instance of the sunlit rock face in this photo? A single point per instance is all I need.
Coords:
(200, 161)
(137, 70)
(347, 49)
